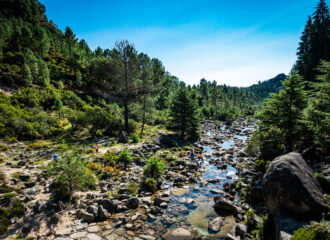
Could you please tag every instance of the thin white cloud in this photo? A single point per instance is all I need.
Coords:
(237, 58)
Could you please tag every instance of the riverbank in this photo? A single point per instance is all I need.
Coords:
(183, 207)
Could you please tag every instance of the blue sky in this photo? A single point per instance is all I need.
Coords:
(236, 42)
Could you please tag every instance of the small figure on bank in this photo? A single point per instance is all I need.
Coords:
(55, 157)
(96, 148)
(201, 157)
(192, 156)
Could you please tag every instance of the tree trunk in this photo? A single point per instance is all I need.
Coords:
(126, 117)
(144, 117)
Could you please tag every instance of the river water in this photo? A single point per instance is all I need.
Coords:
(193, 205)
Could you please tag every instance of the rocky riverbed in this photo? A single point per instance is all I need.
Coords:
(194, 201)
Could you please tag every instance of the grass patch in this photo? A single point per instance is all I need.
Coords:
(324, 183)
(316, 231)
(133, 188)
(4, 147)
(9, 210)
(38, 145)
(39, 161)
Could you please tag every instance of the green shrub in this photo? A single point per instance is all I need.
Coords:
(250, 213)
(149, 184)
(71, 174)
(171, 158)
(154, 168)
(4, 147)
(133, 188)
(125, 157)
(324, 183)
(316, 231)
(105, 119)
(37, 146)
(271, 143)
(253, 145)
(69, 98)
(2, 175)
(27, 97)
(261, 165)
(12, 139)
(110, 158)
(10, 208)
(135, 138)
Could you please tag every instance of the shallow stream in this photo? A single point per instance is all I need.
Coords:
(194, 205)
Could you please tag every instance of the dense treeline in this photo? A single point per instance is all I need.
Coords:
(299, 115)
(62, 84)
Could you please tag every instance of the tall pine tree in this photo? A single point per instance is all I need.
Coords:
(317, 114)
(125, 76)
(281, 116)
(184, 114)
(315, 43)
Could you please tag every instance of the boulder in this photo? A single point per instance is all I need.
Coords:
(155, 210)
(215, 225)
(101, 213)
(240, 230)
(107, 204)
(224, 206)
(24, 177)
(85, 216)
(289, 185)
(132, 203)
(178, 234)
(93, 209)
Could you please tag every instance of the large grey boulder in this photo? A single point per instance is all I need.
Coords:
(224, 206)
(107, 204)
(289, 185)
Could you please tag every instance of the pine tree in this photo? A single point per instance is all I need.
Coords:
(71, 41)
(31, 60)
(282, 114)
(26, 75)
(184, 114)
(304, 56)
(317, 114)
(315, 43)
(43, 73)
(125, 75)
(214, 92)
(146, 88)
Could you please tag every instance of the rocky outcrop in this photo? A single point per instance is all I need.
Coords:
(289, 185)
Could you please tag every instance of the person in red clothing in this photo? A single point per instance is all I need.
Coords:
(96, 147)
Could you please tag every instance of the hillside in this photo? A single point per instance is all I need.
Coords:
(262, 89)
(62, 85)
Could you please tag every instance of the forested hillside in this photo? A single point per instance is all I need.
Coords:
(63, 85)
